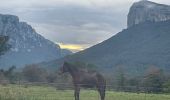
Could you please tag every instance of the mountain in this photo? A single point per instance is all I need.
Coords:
(135, 49)
(144, 10)
(27, 46)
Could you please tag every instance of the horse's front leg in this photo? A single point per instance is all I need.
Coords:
(76, 93)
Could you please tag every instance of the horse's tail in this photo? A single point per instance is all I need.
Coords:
(101, 85)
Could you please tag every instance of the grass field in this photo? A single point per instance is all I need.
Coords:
(13, 92)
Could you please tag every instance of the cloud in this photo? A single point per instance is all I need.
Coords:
(76, 25)
(53, 3)
(85, 3)
(73, 22)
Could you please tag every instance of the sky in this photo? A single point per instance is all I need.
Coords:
(73, 24)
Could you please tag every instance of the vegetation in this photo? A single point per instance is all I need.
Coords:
(14, 92)
(7, 76)
(3, 44)
(120, 78)
(154, 80)
(33, 73)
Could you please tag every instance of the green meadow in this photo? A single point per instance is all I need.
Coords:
(15, 92)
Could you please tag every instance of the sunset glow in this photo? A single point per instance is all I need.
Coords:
(72, 47)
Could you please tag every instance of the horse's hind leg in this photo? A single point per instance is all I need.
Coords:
(101, 85)
(101, 90)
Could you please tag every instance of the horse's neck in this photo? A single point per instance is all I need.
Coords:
(73, 71)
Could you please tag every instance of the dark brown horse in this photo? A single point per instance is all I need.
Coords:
(84, 78)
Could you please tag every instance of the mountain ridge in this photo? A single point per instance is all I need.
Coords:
(27, 45)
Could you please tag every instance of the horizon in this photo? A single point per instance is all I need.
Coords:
(73, 24)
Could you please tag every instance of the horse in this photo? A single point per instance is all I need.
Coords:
(85, 79)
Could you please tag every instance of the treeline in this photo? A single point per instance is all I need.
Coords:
(32, 74)
(36, 74)
(153, 81)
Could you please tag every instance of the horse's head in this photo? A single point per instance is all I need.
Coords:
(64, 68)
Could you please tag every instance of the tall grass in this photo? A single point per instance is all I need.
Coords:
(15, 92)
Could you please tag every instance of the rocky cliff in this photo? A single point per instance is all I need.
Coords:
(144, 10)
(27, 45)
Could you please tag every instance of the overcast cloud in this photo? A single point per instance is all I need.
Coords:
(76, 22)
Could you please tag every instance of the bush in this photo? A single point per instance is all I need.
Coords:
(34, 73)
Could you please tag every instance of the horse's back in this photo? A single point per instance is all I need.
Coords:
(90, 80)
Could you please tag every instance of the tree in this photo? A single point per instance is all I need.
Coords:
(3, 79)
(8, 74)
(153, 80)
(34, 73)
(4, 46)
(133, 84)
(167, 86)
(120, 78)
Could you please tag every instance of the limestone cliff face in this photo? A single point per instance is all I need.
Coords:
(27, 45)
(144, 10)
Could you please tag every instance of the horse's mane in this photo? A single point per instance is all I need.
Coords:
(72, 66)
